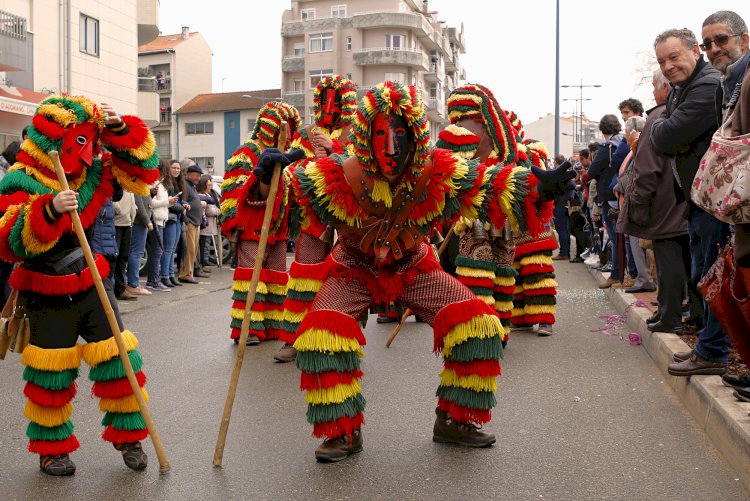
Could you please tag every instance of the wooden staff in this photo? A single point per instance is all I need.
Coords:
(245, 328)
(408, 311)
(164, 466)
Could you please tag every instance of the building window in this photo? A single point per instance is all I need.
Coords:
(348, 43)
(316, 75)
(394, 42)
(299, 49)
(307, 14)
(250, 124)
(205, 163)
(89, 35)
(199, 128)
(395, 77)
(321, 42)
(338, 11)
(299, 85)
(231, 124)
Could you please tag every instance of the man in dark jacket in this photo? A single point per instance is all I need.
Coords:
(193, 216)
(683, 134)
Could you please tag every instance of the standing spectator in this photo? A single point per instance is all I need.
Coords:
(211, 213)
(8, 158)
(562, 220)
(683, 133)
(124, 216)
(161, 80)
(103, 238)
(141, 226)
(160, 203)
(193, 211)
(172, 180)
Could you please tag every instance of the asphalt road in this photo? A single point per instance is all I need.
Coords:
(582, 415)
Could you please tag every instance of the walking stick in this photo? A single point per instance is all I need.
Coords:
(164, 466)
(408, 310)
(245, 328)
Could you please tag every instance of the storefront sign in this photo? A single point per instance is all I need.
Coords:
(17, 107)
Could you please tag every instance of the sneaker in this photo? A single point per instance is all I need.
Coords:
(605, 268)
(592, 261)
(447, 431)
(140, 290)
(609, 283)
(338, 448)
(57, 466)
(160, 287)
(127, 296)
(133, 455)
(543, 330)
(585, 254)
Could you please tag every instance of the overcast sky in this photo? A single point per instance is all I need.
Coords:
(510, 45)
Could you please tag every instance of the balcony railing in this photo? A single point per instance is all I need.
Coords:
(146, 84)
(12, 26)
(165, 117)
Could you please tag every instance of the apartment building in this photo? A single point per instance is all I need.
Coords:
(400, 40)
(212, 126)
(82, 47)
(177, 67)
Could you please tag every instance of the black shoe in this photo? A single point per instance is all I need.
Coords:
(633, 290)
(662, 327)
(737, 382)
(577, 259)
(187, 280)
(386, 320)
(252, 341)
(133, 455)
(447, 431)
(175, 282)
(742, 394)
(57, 466)
(336, 449)
(167, 282)
(655, 317)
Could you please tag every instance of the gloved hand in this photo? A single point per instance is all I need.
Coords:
(553, 183)
(267, 160)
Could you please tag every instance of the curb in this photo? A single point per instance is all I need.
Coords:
(721, 416)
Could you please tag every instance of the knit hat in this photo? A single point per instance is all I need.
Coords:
(195, 168)
(346, 90)
(269, 117)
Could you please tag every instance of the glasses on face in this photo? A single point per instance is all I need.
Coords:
(719, 40)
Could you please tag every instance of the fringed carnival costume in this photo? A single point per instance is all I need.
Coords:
(242, 219)
(53, 280)
(384, 202)
(334, 105)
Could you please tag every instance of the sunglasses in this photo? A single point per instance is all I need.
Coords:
(719, 40)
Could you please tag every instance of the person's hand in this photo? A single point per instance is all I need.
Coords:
(203, 204)
(320, 153)
(555, 182)
(186, 206)
(270, 157)
(113, 118)
(65, 201)
(596, 218)
(321, 140)
(173, 199)
(150, 226)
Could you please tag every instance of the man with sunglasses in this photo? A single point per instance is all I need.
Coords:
(725, 42)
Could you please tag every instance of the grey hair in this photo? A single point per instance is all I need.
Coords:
(635, 123)
(661, 80)
(683, 34)
(727, 17)
(186, 162)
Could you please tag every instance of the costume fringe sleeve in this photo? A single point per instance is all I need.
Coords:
(512, 196)
(134, 160)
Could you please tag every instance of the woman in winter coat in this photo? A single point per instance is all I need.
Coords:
(210, 231)
(160, 202)
(171, 181)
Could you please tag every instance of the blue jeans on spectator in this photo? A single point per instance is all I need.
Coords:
(560, 213)
(155, 251)
(609, 225)
(171, 237)
(706, 234)
(137, 246)
(630, 261)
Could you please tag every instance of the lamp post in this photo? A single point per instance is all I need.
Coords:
(577, 121)
(580, 86)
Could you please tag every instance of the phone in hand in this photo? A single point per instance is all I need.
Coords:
(178, 194)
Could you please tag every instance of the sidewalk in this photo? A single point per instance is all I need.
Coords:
(719, 414)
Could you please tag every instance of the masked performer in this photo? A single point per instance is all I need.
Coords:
(55, 286)
(383, 202)
(242, 218)
(334, 105)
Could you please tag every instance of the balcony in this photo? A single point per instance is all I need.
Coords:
(295, 97)
(456, 38)
(165, 150)
(431, 75)
(297, 28)
(405, 20)
(378, 56)
(293, 64)
(148, 101)
(435, 110)
(148, 20)
(15, 45)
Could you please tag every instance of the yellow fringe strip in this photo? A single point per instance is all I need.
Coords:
(228, 204)
(240, 314)
(97, 353)
(145, 150)
(244, 286)
(481, 326)
(29, 239)
(547, 282)
(490, 300)
(474, 272)
(518, 312)
(51, 182)
(519, 289)
(536, 309)
(333, 395)
(381, 192)
(504, 305)
(536, 259)
(472, 382)
(505, 281)
(326, 200)
(277, 289)
(506, 202)
(64, 117)
(54, 360)
(122, 405)
(462, 225)
(273, 315)
(129, 183)
(294, 317)
(47, 416)
(326, 342)
(304, 284)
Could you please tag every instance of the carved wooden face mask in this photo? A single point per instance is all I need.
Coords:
(392, 143)
(330, 103)
(78, 148)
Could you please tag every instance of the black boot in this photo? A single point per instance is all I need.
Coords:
(336, 449)
(57, 466)
(447, 431)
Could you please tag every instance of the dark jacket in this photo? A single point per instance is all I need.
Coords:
(190, 197)
(741, 125)
(650, 208)
(602, 170)
(103, 238)
(143, 210)
(175, 210)
(685, 128)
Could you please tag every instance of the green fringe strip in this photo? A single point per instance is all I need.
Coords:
(468, 262)
(126, 421)
(505, 271)
(38, 432)
(331, 412)
(50, 380)
(532, 279)
(467, 398)
(540, 300)
(307, 296)
(477, 349)
(313, 361)
(113, 369)
(237, 324)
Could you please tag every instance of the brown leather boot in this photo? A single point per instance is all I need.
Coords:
(695, 366)
(336, 449)
(287, 353)
(447, 431)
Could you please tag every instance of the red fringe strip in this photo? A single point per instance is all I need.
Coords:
(541, 318)
(314, 381)
(455, 314)
(504, 314)
(534, 269)
(544, 291)
(15, 198)
(463, 414)
(132, 170)
(134, 139)
(546, 244)
(123, 436)
(520, 321)
(49, 128)
(252, 332)
(273, 334)
(43, 230)
(486, 283)
(27, 280)
(296, 305)
(117, 388)
(54, 447)
(334, 322)
(104, 190)
(266, 275)
(344, 425)
(317, 271)
(49, 398)
(504, 289)
(478, 367)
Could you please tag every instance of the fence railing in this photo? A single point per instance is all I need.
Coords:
(12, 26)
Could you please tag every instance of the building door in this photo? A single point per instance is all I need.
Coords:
(232, 138)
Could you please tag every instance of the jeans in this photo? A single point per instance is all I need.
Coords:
(171, 237)
(609, 225)
(706, 234)
(643, 277)
(137, 246)
(122, 235)
(629, 259)
(562, 220)
(155, 251)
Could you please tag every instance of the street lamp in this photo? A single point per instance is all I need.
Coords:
(579, 138)
(580, 87)
(262, 98)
